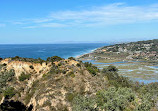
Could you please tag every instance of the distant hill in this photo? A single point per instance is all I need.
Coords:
(141, 50)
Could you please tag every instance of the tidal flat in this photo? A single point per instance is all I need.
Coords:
(140, 71)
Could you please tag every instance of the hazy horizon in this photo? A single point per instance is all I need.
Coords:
(78, 42)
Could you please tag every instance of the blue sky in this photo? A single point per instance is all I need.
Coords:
(65, 21)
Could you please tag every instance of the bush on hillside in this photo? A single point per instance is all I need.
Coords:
(9, 92)
(6, 77)
(114, 79)
(53, 59)
(91, 68)
(82, 103)
(110, 69)
(115, 99)
(78, 65)
(39, 60)
(24, 76)
(71, 58)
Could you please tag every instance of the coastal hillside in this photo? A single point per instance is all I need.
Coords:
(47, 85)
(58, 84)
(141, 50)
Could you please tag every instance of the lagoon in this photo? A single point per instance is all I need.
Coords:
(135, 70)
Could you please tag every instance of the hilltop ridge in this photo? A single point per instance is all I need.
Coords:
(141, 50)
(35, 83)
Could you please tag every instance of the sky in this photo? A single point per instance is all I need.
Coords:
(77, 21)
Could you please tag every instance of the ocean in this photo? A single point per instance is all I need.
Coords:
(47, 50)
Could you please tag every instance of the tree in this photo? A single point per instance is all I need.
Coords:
(110, 69)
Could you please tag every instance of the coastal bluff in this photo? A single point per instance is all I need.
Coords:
(47, 85)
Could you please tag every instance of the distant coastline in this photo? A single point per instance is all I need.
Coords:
(136, 60)
(88, 52)
(140, 51)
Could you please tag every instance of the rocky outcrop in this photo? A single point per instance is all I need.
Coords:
(26, 67)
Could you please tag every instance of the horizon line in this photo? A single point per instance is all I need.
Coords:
(77, 42)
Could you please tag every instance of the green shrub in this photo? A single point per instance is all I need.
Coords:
(82, 103)
(16, 58)
(70, 96)
(146, 102)
(1, 67)
(64, 71)
(91, 69)
(53, 59)
(24, 76)
(45, 75)
(32, 91)
(144, 106)
(71, 74)
(115, 79)
(46, 103)
(78, 65)
(71, 58)
(110, 69)
(54, 70)
(60, 64)
(87, 64)
(6, 77)
(39, 60)
(115, 99)
(9, 92)
(110, 72)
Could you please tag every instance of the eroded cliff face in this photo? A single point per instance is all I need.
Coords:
(27, 67)
(36, 70)
(51, 87)
(56, 93)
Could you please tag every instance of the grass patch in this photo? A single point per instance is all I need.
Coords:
(9, 92)
(71, 74)
(24, 76)
(70, 96)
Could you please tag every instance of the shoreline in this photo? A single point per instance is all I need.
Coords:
(91, 51)
(143, 71)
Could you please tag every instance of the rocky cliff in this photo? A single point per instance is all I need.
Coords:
(50, 86)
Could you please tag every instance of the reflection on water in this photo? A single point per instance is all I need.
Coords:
(94, 62)
(155, 67)
(145, 81)
(141, 73)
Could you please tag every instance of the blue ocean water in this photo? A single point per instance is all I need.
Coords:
(47, 50)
